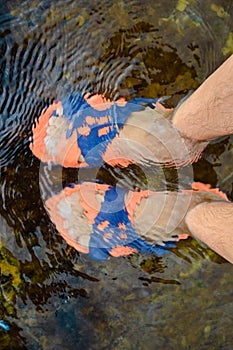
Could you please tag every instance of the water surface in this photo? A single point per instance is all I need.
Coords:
(52, 297)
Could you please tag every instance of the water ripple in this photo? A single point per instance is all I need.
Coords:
(49, 49)
(117, 49)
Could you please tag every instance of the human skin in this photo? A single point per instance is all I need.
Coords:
(207, 114)
(212, 223)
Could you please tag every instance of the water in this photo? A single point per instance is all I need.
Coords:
(52, 297)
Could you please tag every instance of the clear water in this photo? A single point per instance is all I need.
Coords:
(51, 296)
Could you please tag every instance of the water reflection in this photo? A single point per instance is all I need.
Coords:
(50, 296)
(55, 50)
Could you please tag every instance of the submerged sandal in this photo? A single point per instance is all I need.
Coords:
(77, 131)
(87, 131)
(102, 221)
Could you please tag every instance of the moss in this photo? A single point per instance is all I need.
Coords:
(10, 275)
(228, 48)
(219, 10)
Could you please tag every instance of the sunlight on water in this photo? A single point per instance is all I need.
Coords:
(52, 297)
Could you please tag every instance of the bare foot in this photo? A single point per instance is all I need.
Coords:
(212, 223)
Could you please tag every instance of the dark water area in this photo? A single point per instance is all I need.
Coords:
(53, 297)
